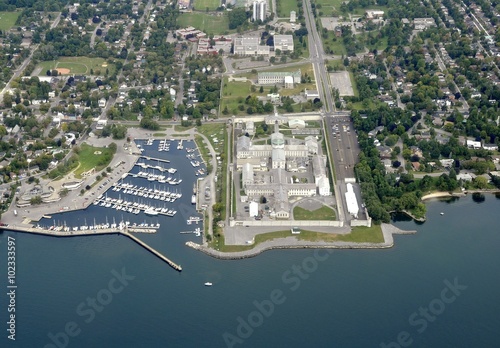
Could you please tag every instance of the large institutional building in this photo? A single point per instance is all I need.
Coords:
(283, 43)
(259, 10)
(279, 78)
(250, 46)
(280, 159)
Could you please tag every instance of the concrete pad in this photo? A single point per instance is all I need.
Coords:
(342, 81)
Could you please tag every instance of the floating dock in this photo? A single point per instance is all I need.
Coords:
(155, 159)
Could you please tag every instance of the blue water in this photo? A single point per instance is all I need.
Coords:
(349, 298)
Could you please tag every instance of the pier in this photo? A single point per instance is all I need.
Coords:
(155, 159)
(154, 251)
(104, 231)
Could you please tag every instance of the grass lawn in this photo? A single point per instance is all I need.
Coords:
(336, 63)
(157, 135)
(305, 68)
(333, 44)
(353, 83)
(93, 157)
(364, 234)
(79, 65)
(208, 23)
(179, 128)
(358, 235)
(8, 19)
(367, 104)
(234, 90)
(380, 45)
(285, 6)
(361, 11)
(202, 5)
(207, 130)
(328, 6)
(323, 213)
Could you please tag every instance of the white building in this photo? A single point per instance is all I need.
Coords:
(374, 14)
(247, 175)
(250, 46)
(250, 127)
(473, 144)
(283, 43)
(293, 16)
(352, 202)
(278, 77)
(312, 145)
(101, 124)
(253, 209)
(296, 123)
(259, 10)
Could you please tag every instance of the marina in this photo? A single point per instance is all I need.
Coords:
(139, 200)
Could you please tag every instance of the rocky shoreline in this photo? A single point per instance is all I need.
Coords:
(293, 243)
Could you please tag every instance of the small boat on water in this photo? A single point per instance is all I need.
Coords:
(442, 213)
(208, 284)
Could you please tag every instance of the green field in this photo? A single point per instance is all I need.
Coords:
(208, 23)
(8, 19)
(285, 6)
(358, 235)
(323, 213)
(305, 68)
(93, 157)
(237, 90)
(78, 65)
(202, 5)
(328, 6)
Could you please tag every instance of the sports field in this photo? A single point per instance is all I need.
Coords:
(76, 65)
(205, 22)
(8, 19)
(201, 5)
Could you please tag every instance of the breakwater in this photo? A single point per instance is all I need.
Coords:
(103, 231)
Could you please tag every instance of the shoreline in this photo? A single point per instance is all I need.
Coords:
(446, 194)
(388, 230)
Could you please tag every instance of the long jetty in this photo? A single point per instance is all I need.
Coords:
(154, 251)
(103, 231)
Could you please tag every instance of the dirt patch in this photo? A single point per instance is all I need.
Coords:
(63, 71)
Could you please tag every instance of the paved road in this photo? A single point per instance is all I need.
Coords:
(317, 58)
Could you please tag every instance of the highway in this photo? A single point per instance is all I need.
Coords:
(317, 58)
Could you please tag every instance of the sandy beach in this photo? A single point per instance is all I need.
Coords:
(438, 194)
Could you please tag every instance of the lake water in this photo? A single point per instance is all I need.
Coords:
(437, 288)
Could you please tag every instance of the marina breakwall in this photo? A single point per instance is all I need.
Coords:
(103, 231)
(293, 243)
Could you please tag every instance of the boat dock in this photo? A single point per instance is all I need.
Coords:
(133, 207)
(124, 232)
(157, 167)
(155, 159)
